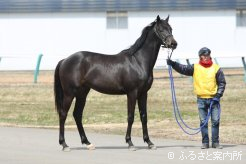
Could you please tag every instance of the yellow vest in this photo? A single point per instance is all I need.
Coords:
(204, 80)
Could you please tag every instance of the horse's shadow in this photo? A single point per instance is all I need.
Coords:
(144, 147)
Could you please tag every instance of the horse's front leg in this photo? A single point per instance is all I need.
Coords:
(142, 105)
(131, 103)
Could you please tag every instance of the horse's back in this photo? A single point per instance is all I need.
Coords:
(98, 71)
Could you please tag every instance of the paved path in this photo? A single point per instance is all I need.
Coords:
(40, 146)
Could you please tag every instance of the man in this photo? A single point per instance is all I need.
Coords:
(209, 85)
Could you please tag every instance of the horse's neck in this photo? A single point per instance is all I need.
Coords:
(147, 55)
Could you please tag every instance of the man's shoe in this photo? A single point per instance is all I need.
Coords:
(217, 146)
(205, 146)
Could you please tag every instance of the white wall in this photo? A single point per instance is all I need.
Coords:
(195, 29)
(58, 35)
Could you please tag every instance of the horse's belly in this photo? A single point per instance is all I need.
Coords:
(109, 90)
(107, 87)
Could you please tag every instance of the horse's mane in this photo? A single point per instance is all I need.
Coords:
(139, 42)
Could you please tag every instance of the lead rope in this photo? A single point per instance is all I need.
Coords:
(176, 108)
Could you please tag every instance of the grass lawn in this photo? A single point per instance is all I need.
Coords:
(25, 104)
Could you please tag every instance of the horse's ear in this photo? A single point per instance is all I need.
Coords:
(167, 18)
(158, 18)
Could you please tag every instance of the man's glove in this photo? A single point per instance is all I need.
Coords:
(170, 62)
(216, 98)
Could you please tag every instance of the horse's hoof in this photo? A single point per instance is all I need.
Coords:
(152, 147)
(90, 147)
(132, 148)
(66, 149)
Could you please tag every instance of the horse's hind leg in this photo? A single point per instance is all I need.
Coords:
(142, 105)
(78, 114)
(67, 100)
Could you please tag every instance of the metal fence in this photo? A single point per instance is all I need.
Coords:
(36, 62)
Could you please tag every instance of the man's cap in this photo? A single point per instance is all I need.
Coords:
(204, 51)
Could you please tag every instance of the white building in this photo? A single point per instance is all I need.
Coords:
(58, 28)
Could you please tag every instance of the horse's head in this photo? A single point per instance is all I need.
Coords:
(164, 32)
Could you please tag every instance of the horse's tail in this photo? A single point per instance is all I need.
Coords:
(58, 92)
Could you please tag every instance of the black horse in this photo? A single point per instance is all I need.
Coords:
(130, 72)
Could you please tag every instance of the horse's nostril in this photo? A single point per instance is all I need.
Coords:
(174, 45)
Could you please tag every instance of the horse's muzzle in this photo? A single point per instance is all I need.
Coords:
(174, 45)
(170, 43)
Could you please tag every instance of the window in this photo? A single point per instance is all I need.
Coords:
(117, 20)
(241, 18)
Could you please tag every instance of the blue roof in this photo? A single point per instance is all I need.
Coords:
(44, 6)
